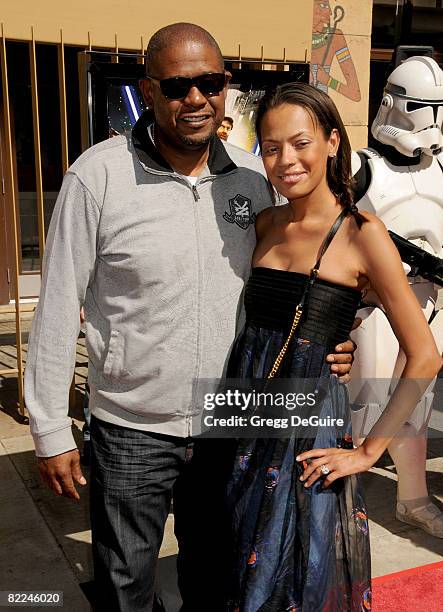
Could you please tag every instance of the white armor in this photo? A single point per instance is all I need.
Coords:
(409, 200)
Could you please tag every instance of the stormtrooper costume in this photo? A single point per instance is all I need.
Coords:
(402, 183)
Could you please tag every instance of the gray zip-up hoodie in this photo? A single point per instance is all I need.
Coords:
(159, 266)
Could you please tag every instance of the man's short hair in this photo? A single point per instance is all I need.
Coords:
(178, 33)
(230, 120)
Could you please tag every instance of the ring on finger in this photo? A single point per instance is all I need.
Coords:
(324, 470)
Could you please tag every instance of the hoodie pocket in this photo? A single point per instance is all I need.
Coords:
(112, 364)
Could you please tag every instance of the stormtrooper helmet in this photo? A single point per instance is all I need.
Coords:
(410, 117)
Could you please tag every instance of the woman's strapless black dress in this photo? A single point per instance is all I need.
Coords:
(296, 549)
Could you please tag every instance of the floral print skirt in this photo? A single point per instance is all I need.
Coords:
(295, 549)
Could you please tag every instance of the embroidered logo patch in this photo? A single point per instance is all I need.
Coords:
(241, 212)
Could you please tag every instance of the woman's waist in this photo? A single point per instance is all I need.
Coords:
(271, 298)
(327, 334)
(326, 321)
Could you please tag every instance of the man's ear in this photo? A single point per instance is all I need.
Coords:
(228, 78)
(146, 89)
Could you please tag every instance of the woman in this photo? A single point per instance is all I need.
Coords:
(300, 525)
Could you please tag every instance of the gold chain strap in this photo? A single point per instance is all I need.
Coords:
(282, 353)
(313, 276)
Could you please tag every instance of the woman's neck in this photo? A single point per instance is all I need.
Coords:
(318, 204)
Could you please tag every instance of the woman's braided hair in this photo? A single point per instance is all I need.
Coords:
(325, 114)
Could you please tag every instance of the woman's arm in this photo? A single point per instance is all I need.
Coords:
(386, 276)
(381, 264)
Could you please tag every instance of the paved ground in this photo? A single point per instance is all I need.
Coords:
(46, 540)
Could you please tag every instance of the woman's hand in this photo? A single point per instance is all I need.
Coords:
(339, 461)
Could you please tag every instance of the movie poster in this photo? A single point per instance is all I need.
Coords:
(238, 126)
(125, 105)
(247, 87)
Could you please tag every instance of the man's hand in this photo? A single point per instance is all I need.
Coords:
(61, 471)
(343, 358)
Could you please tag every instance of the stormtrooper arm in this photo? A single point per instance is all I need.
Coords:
(361, 173)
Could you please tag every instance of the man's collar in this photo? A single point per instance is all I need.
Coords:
(145, 148)
(219, 161)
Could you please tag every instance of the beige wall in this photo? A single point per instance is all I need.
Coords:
(281, 27)
(251, 23)
(349, 78)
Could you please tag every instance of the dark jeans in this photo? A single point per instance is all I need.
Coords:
(134, 475)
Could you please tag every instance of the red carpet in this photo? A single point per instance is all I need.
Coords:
(417, 589)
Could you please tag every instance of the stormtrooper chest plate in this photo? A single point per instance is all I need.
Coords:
(408, 199)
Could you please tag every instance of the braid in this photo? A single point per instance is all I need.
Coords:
(341, 182)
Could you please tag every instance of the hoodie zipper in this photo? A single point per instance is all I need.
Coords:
(195, 193)
(199, 294)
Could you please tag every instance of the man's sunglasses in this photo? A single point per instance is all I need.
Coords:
(177, 88)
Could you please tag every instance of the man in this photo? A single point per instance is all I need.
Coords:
(153, 234)
(225, 128)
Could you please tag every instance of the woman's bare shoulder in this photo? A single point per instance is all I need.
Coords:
(367, 228)
(374, 244)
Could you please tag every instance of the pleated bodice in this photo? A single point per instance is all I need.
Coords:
(271, 297)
